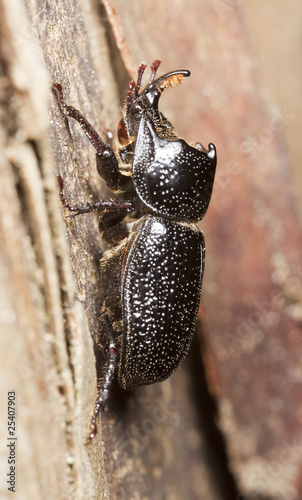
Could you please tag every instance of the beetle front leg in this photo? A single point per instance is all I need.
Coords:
(105, 384)
(107, 164)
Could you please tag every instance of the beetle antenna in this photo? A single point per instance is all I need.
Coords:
(154, 68)
(140, 72)
(131, 91)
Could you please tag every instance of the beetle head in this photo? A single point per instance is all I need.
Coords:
(171, 177)
(146, 100)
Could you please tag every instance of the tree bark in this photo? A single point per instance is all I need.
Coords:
(160, 441)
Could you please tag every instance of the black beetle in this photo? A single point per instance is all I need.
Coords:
(152, 273)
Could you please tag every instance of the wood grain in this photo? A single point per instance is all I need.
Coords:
(227, 424)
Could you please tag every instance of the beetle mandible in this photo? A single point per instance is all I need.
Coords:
(152, 273)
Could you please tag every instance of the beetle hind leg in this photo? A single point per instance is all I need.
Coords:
(105, 383)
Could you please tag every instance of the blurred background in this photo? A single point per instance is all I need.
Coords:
(227, 424)
(274, 30)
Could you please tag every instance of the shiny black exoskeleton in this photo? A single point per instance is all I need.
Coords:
(152, 273)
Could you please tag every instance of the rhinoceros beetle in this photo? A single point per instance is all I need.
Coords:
(152, 273)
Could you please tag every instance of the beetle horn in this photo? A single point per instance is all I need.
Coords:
(154, 89)
(170, 79)
(212, 151)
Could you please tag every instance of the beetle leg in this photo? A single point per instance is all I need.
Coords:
(106, 206)
(115, 233)
(107, 164)
(105, 385)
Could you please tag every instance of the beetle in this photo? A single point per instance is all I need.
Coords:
(152, 272)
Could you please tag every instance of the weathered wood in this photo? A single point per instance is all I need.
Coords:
(252, 290)
(160, 441)
(46, 353)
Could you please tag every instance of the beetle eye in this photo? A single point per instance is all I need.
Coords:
(122, 133)
(135, 108)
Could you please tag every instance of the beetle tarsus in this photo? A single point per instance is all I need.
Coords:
(71, 112)
(104, 386)
(100, 206)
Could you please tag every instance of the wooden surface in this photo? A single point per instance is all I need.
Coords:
(227, 424)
